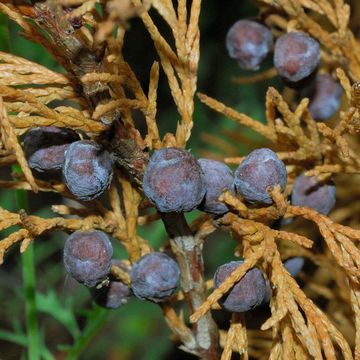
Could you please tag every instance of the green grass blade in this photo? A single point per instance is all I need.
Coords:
(19, 339)
(96, 319)
(29, 284)
(28, 272)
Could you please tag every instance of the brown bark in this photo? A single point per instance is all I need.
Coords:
(81, 60)
(188, 251)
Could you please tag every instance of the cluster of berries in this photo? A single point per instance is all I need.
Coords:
(155, 276)
(296, 58)
(175, 181)
(88, 260)
(84, 165)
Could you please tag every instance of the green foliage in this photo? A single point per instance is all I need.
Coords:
(4, 33)
(95, 319)
(62, 312)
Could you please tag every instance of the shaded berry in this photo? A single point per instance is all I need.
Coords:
(246, 294)
(308, 192)
(154, 277)
(268, 292)
(296, 56)
(173, 180)
(326, 100)
(294, 265)
(87, 169)
(249, 43)
(259, 170)
(115, 294)
(218, 177)
(45, 146)
(87, 256)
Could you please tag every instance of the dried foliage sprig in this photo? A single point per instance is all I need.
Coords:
(99, 92)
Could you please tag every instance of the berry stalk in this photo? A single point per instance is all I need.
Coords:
(188, 251)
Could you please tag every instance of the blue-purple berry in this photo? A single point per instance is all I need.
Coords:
(326, 100)
(174, 181)
(87, 256)
(155, 277)
(45, 147)
(248, 42)
(260, 170)
(115, 293)
(308, 192)
(87, 169)
(246, 294)
(218, 177)
(296, 56)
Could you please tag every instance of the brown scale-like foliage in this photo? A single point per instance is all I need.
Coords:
(104, 90)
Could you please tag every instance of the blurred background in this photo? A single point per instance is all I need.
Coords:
(72, 327)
